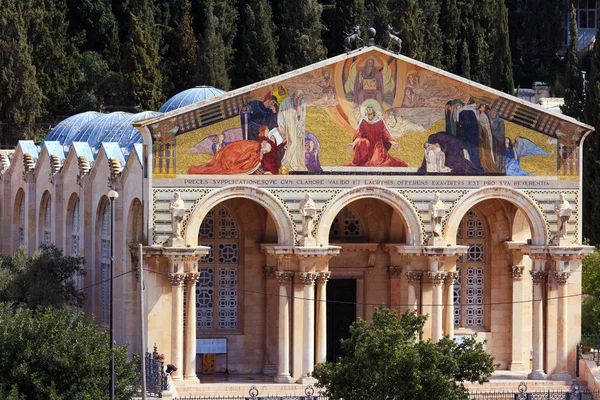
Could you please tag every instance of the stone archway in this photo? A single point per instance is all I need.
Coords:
(275, 208)
(414, 229)
(535, 216)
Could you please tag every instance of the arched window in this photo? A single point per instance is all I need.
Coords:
(74, 225)
(46, 219)
(217, 302)
(469, 287)
(105, 246)
(346, 227)
(21, 222)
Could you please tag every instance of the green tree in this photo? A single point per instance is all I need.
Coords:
(184, 66)
(408, 18)
(213, 55)
(384, 360)
(478, 30)
(21, 96)
(501, 73)
(432, 34)
(257, 44)
(300, 34)
(465, 61)
(44, 279)
(382, 22)
(143, 80)
(590, 287)
(340, 16)
(59, 355)
(573, 79)
(450, 24)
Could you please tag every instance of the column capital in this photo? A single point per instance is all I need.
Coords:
(307, 278)
(323, 277)
(538, 277)
(436, 278)
(451, 276)
(270, 271)
(395, 271)
(177, 279)
(192, 277)
(413, 277)
(284, 277)
(516, 271)
(561, 277)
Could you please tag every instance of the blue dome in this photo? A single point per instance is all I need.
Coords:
(190, 96)
(66, 129)
(114, 127)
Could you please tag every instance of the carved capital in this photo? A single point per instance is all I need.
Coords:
(284, 277)
(177, 279)
(538, 277)
(323, 277)
(516, 271)
(307, 278)
(270, 272)
(395, 271)
(451, 276)
(413, 277)
(436, 278)
(561, 277)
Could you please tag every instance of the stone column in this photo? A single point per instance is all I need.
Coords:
(539, 278)
(308, 357)
(190, 327)
(283, 368)
(436, 279)
(561, 373)
(395, 282)
(413, 278)
(177, 279)
(451, 276)
(516, 362)
(322, 316)
(271, 318)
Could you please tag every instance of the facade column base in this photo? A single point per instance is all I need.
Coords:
(269, 370)
(307, 380)
(191, 379)
(537, 376)
(286, 378)
(517, 366)
(561, 376)
(177, 378)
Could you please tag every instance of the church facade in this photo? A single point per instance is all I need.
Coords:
(274, 215)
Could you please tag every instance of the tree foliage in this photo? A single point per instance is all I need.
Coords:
(42, 280)
(501, 74)
(58, 355)
(384, 360)
(573, 80)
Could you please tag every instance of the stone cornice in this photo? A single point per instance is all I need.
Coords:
(426, 251)
(510, 245)
(300, 251)
(575, 252)
(350, 247)
(185, 253)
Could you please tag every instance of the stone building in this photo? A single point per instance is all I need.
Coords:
(276, 214)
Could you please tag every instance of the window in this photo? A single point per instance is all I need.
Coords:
(105, 247)
(346, 227)
(217, 297)
(75, 229)
(587, 14)
(469, 286)
(46, 220)
(22, 220)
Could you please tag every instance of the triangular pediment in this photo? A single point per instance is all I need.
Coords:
(366, 111)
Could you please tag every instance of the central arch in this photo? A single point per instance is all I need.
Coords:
(414, 229)
(274, 207)
(533, 213)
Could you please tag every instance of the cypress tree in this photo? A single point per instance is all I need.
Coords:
(212, 55)
(143, 80)
(432, 34)
(573, 80)
(257, 45)
(228, 19)
(300, 34)
(465, 61)
(382, 21)
(501, 73)
(477, 18)
(20, 97)
(184, 53)
(409, 19)
(450, 25)
(342, 16)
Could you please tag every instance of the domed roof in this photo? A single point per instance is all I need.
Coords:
(114, 127)
(190, 96)
(66, 129)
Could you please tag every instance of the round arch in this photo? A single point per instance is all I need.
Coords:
(414, 230)
(533, 213)
(274, 207)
